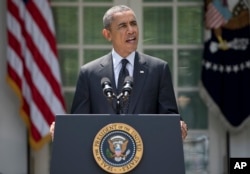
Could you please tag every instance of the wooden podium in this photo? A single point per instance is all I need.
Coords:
(156, 140)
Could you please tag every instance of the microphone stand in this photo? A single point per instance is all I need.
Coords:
(118, 103)
(108, 92)
(118, 107)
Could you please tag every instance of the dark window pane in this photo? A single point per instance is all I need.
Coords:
(190, 27)
(166, 55)
(90, 55)
(189, 67)
(157, 25)
(93, 25)
(69, 66)
(193, 110)
(68, 99)
(66, 24)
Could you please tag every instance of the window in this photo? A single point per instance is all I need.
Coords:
(78, 28)
(173, 31)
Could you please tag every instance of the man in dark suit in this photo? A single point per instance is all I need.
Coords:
(152, 92)
(152, 88)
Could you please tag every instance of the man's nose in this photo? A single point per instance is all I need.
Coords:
(131, 29)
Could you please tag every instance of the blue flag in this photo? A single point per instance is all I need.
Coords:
(226, 60)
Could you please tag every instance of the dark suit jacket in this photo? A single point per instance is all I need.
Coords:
(152, 87)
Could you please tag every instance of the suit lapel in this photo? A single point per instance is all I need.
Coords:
(107, 69)
(139, 76)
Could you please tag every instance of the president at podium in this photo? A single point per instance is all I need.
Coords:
(125, 81)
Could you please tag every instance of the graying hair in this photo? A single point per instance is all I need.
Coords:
(108, 16)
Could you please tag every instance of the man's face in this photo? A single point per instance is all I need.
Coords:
(123, 33)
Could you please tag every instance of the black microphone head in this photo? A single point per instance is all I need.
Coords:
(106, 87)
(128, 79)
(127, 87)
(105, 81)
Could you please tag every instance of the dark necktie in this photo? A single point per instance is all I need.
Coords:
(123, 73)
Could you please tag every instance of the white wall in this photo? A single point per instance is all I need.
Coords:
(12, 129)
(240, 143)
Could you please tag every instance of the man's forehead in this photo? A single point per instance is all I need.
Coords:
(125, 16)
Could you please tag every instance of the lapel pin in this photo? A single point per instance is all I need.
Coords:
(141, 71)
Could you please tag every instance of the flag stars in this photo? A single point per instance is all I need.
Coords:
(221, 69)
(228, 69)
(242, 67)
(208, 65)
(248, 64)
(215, 67)
(235, 68)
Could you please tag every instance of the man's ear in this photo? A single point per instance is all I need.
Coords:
(106, 34)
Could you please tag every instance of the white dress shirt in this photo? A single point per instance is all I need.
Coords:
(118, 65)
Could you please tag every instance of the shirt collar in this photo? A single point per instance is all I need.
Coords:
(117, 58)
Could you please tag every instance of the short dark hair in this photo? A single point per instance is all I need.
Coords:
(108, 16)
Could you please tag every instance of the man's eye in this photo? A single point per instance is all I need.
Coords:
(134, 23)
(122, 26)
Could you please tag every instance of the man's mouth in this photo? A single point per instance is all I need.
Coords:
(131, 39)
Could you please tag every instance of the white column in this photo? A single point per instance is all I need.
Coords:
(240, 143)
(41, 160)
(13, 149)
(217, 145)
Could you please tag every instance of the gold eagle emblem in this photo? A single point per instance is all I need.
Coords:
(118, 146)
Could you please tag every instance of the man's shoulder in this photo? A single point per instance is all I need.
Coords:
(150, 58)
(97, 61)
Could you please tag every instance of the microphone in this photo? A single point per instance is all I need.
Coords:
(127, 87)
(106, 87)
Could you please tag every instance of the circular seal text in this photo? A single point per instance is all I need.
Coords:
(117, 148)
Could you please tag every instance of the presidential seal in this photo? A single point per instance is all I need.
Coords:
(117, 148)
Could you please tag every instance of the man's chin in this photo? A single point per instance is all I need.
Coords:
(132, 48)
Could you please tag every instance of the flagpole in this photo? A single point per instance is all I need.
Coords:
(28, 153)
(228, 150)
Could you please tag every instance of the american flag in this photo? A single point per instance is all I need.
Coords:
(216, 14)
(32, 66)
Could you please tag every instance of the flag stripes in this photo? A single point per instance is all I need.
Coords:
(214, 18)
(32, 65)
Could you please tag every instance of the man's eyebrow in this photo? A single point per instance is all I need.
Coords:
(124, 23)
(133, 21)
(121, 24)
